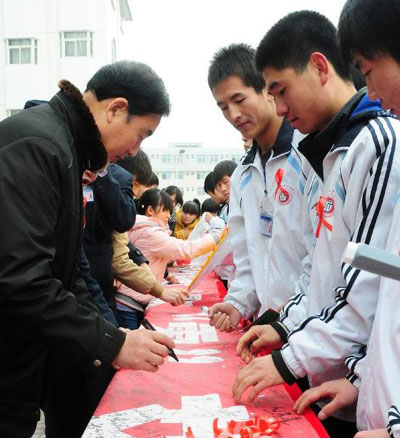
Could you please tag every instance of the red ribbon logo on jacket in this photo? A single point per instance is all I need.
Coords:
(325, 207)
(282, 195)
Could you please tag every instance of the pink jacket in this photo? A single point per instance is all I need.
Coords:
(159, 248)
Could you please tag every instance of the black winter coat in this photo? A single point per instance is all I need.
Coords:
(43, 151)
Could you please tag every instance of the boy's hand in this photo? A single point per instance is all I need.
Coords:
(257, 337)
(341, 391)
(224, 317)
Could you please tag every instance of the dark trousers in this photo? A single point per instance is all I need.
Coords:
(339, 429)
(11, 429)
(71, 397)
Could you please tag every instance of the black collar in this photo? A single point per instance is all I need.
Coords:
(69, 105)
(282, 145)
(316, 145)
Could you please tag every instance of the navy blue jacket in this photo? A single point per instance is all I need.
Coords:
(109, 207)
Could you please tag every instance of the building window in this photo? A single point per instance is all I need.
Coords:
(165, 175)
(213, 158)
(200, 191)
(179, 159)
(22, 51)
(11, 112)
(201, 175)
(76, 44)
(181, 175)
(201, 158)
(166, 159)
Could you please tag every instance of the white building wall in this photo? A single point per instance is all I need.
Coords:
(44, 20)
(186, 166)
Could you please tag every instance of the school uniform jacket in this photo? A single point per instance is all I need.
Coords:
(377, 371)
(254, 192)
(356, 180)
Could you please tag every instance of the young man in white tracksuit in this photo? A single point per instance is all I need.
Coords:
(266, 192)
(356, 175)
(375, 370)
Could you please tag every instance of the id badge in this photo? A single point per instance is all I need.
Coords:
(88, 194)
(266, 222)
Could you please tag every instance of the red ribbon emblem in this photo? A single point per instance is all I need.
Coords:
(84, 211)
(320, 207)
(280, 191)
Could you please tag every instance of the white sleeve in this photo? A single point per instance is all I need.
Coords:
(242, 292)
(295, 311)
(393, 426)
(322, 342)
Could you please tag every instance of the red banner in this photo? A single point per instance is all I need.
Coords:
(191, 394)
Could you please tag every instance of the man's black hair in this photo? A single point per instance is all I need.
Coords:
(292, 40)
(370, 28)
(192, 207)
(224, 168)
(209, 185)
(153, 180)
(174, 190)
(139, 166)
(210, 206)
(136, 82)
(235, 60)
(157, 199)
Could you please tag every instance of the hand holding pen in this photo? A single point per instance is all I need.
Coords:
(147, 325)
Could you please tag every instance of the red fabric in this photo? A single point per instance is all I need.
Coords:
(195, 391)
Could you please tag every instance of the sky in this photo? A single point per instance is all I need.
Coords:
(178, 39)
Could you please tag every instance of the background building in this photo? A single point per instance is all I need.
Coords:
(44, 41)
(187, 164)
(47, 40)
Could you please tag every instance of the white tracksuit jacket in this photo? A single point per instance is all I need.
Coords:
(378, 371)
(279, 194)
(358, 181)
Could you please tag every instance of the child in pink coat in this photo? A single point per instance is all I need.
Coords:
(152, 236)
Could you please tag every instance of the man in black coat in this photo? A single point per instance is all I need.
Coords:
(46, 315)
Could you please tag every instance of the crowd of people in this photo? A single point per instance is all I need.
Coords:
(88, 236)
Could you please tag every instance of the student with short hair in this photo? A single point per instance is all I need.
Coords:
(209, 188)
(258, 187)
(373, 374)
(140, 168)
(355, 161)
(154, 182)
(222, 181)
(176, 196)
(209, 210)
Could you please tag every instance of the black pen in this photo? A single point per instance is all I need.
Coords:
(147, 325)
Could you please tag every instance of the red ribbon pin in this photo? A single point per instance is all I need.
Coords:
(320, 207)
(279, 188)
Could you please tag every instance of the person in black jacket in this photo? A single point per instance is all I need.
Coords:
(48, 321)
(110, 206)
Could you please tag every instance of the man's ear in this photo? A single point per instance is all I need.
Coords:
(319, 62)
(268, 97)
(116, 106)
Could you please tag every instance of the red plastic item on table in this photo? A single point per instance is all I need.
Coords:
(257, 427)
